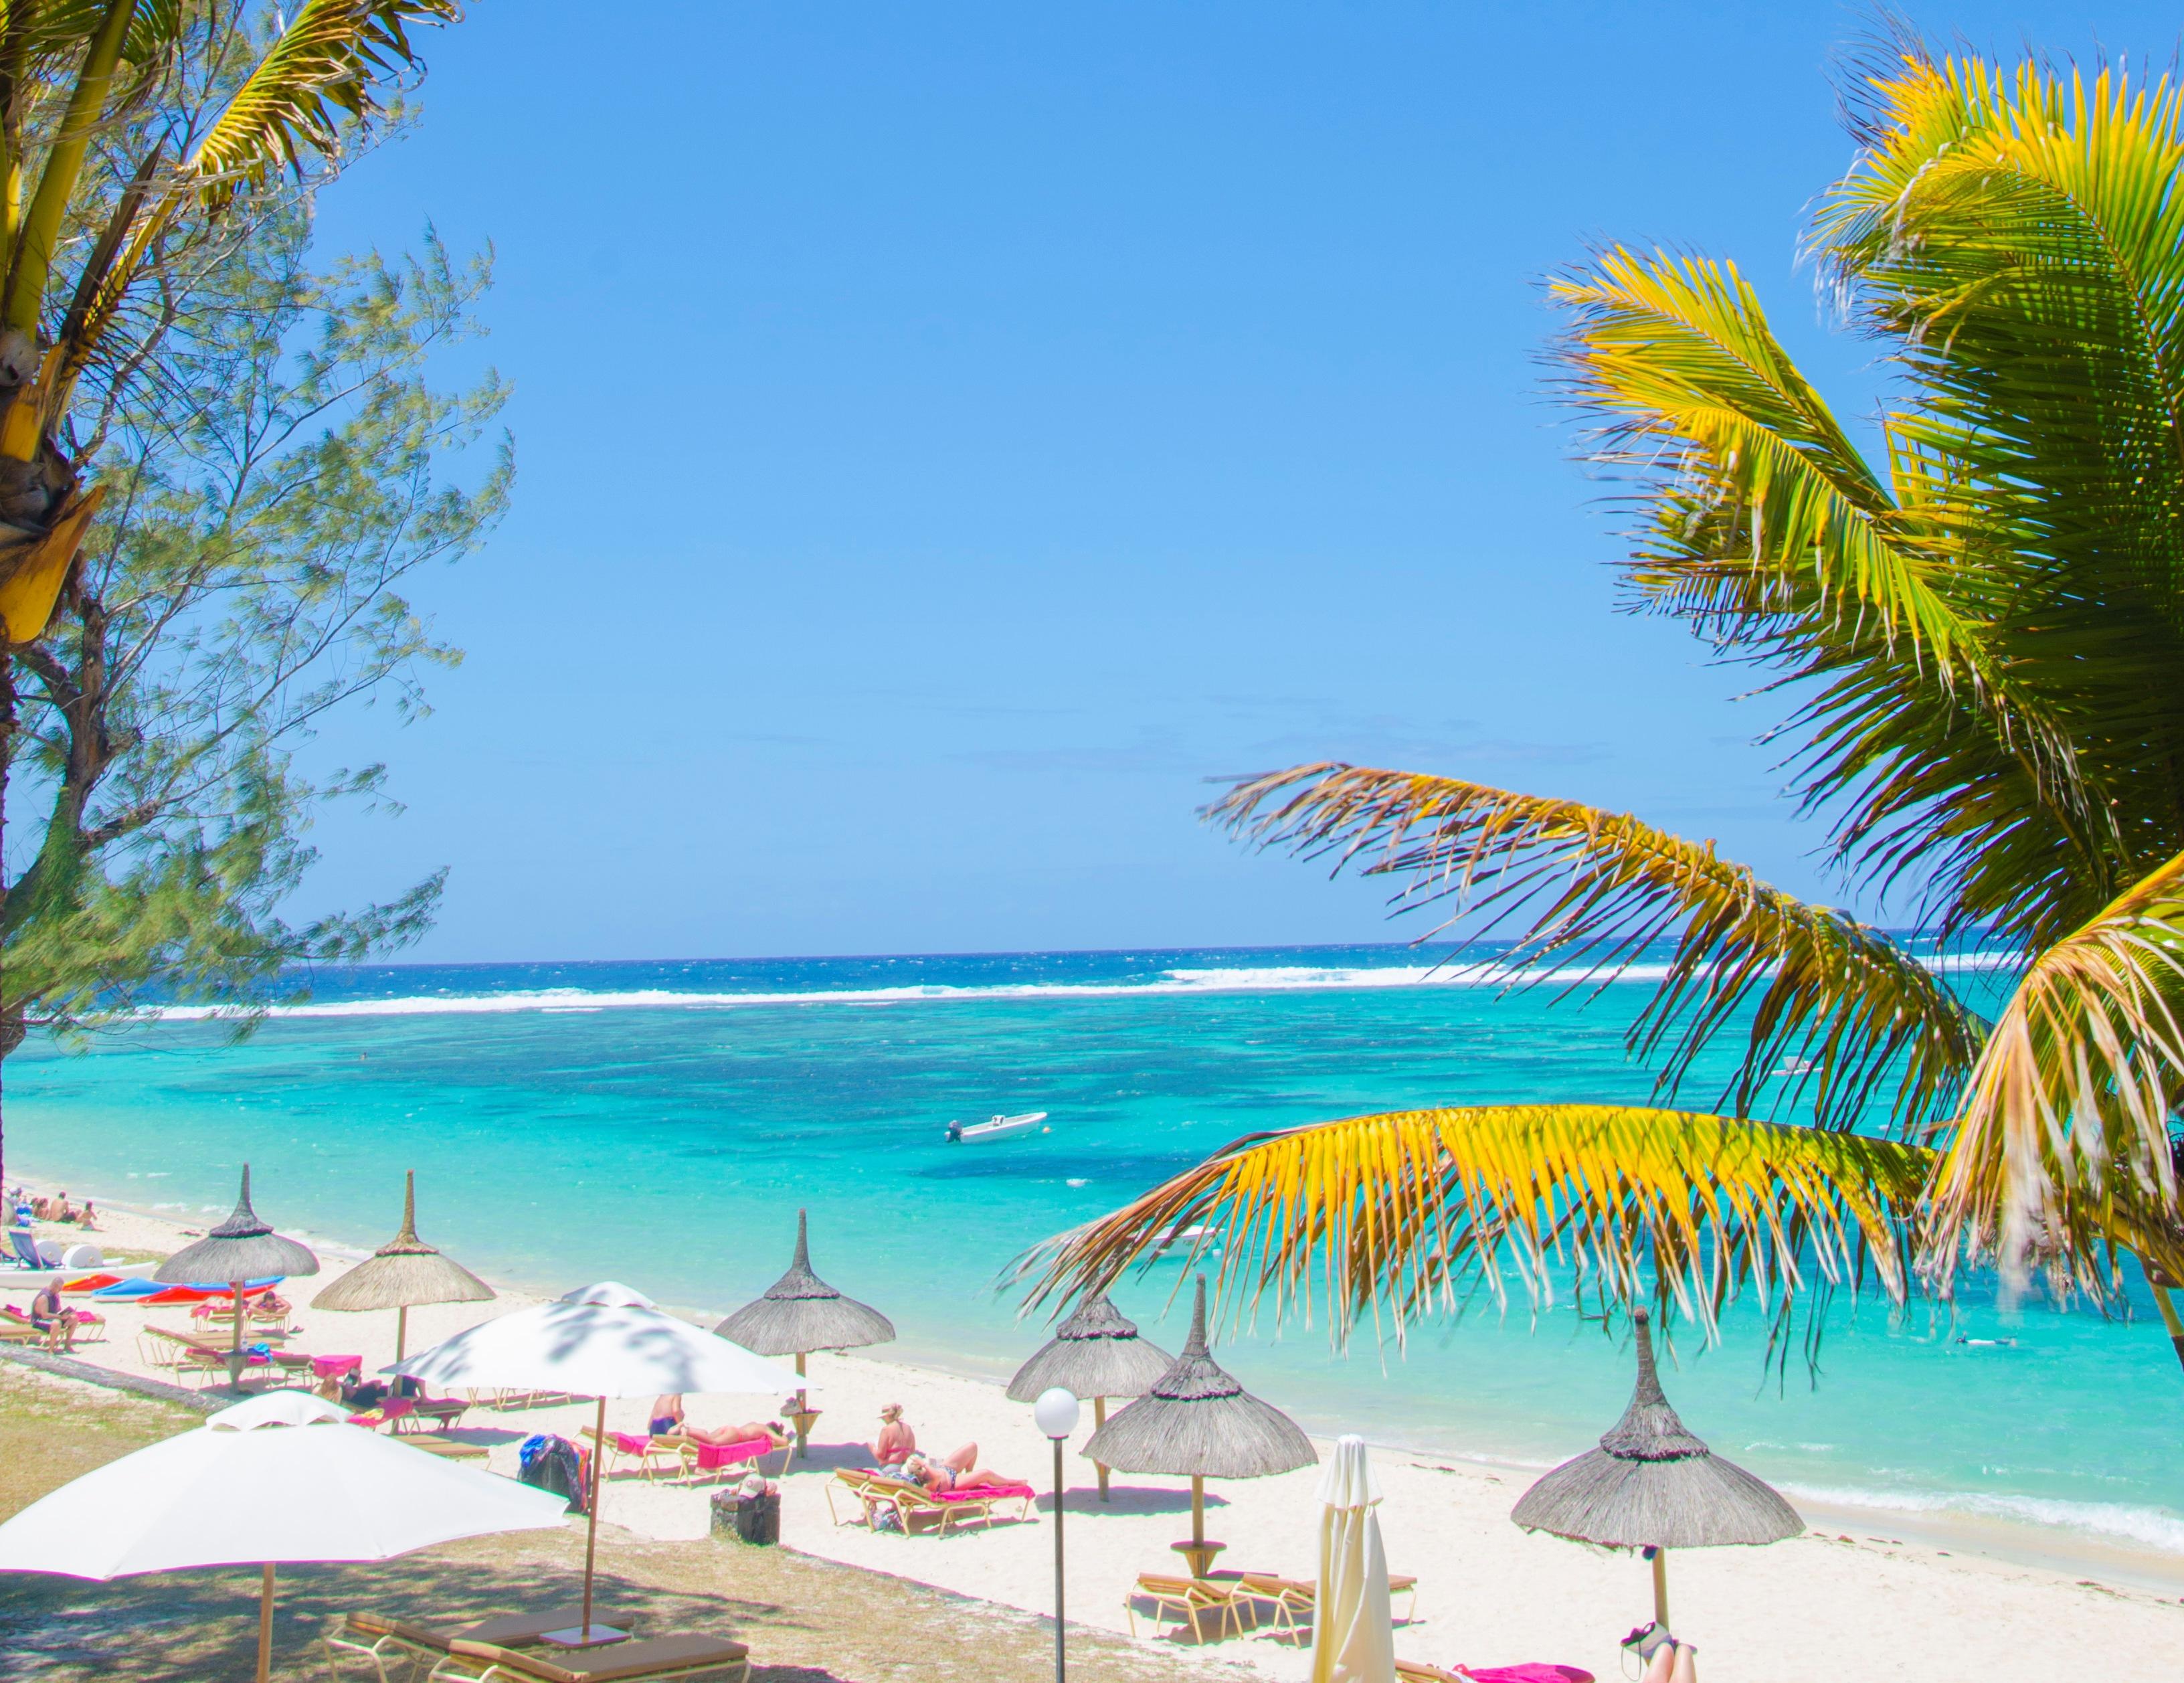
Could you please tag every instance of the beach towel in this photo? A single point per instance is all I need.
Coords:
(1527, 1672)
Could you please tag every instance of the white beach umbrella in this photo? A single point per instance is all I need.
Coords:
(603, 1341)
(1352, 1630)
(281, 1477)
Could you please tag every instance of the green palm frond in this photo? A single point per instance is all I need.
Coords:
(1673, 356)
(1838, 1001)
(2018, 240)
(1763, 528)
(1389, 1215)
(2062, 1151)
(325, 66)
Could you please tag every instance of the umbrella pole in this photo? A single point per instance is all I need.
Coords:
(802, 1419)
(1099, 1419)
(1661, 1588)
(591, 1523)
(235, 1346)
(265, 1623)
(1198, 1513)
(401, 1330)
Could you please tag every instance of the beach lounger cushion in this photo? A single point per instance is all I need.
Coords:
(677, 1656)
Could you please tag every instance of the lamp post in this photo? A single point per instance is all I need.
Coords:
(1055, 1411)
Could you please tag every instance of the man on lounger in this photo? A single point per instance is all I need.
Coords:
(54, 1318)
(668, 1421)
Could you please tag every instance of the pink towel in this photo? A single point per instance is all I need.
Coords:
(326, 1367)
(712, 1455)
(988, 1492)
(1527, 1672)
(630, 1443)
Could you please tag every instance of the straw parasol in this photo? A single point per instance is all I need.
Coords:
(1096, 1353)
(404, 1271)
(1196, 1420)
(244, 1247)
(799, 1314)
(1651, 1485)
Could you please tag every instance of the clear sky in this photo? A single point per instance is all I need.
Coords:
(949, 434)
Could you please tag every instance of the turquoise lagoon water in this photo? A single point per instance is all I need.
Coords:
(661, 1124)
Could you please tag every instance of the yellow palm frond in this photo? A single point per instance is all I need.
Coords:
(2062, 1152)
(1674, 360)
(1832, 999)
(326, 64)
(323, 67)
(1393, 1214)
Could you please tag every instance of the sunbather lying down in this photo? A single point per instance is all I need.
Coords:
(957, 1471)
(668, 1419)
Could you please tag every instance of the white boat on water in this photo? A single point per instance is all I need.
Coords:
(1188, 1242)
(997, 1127)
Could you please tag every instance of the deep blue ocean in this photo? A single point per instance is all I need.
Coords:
(661, 1123)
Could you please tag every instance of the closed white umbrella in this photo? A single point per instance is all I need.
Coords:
(1353, 1638)
(281, 1477)
(603, 1341)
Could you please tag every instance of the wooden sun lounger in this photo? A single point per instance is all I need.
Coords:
(850, 1481)
(681, 1656)
(1187, 1601)
(85, 1331)
(657, 1452)
(914, 1502)
(1294, 1598)
(396, 1650)
(1417, 1671)
(160, 1348)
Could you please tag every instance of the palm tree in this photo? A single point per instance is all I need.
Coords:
(1984, 620)
(135, 127)
(134, 137)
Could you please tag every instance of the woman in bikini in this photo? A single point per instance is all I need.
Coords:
(957, 1471)
(668, 1421)
(896, 1442)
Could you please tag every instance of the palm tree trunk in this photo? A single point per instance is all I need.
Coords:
(7, 754)
(2169, 1317)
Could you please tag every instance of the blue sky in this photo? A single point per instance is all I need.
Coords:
(948, 434)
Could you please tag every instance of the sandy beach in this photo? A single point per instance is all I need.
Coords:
(1847, 1599)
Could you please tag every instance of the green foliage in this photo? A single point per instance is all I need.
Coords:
(1985, 633)
(282, 470)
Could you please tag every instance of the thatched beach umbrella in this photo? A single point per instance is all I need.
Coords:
(1195, 1420)
(402, 1272)
(1652, 1486)
(1096, 1353)
(799, 1314)
(241, 1248)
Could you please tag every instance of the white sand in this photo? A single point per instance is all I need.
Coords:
(1817, 1610)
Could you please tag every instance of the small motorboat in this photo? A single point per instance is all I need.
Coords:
(997, 1127)
(1186, 1243)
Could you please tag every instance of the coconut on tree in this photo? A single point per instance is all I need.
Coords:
(1983, 618)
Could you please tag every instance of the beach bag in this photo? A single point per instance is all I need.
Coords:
(552, 1464)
